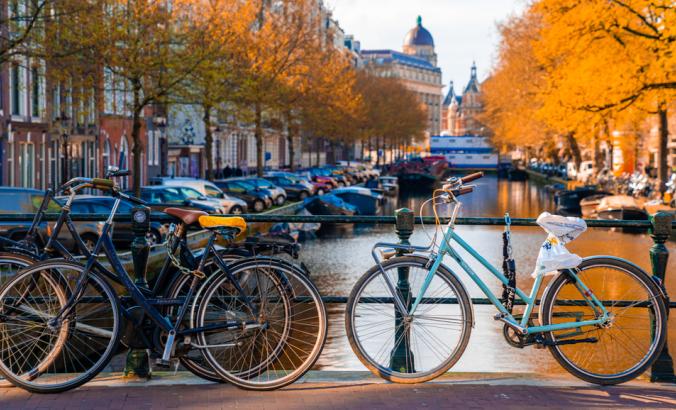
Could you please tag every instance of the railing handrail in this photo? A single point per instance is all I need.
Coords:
(333, 219)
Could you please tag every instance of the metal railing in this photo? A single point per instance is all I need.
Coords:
(660, 227)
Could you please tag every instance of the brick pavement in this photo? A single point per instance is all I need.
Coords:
(349, 394)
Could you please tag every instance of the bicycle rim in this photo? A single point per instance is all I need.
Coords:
(61, 356)
(420, 349)
(289, 336)
(628, 343)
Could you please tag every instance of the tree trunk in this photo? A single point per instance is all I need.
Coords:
(319, 140)
(574, 149)
(662, 153)
(137, 147)
(208, 141)
(258, 136)
(290, 135)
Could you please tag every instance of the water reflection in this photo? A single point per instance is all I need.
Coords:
(339, 256)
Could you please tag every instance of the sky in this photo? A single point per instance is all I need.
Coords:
(463, 30)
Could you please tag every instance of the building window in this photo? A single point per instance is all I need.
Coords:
(15, 82)
(27, 165)
(108, 91)
(54, 169)
(56, 102)
(35, 92)
(105, 156)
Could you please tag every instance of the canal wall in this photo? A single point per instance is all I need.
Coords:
(544, 179)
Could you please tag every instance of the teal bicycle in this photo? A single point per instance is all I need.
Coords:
(409, 317)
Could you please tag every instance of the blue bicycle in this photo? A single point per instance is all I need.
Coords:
(409, 317)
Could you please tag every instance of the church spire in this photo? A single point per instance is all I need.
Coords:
(450, 95)
(473, 84)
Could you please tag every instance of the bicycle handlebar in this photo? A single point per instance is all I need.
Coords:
(471, 177)
(462, 190)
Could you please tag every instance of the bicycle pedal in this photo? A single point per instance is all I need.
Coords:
(162, 363)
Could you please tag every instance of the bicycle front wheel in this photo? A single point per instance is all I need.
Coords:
(414, 349)
(44, 357)
(633, 336)
(280, 324)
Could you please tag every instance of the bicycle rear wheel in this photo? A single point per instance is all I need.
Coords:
(194, 360)
(44, 357)
(11, 264)
(421, 348)
(286, 330)
(632, 338)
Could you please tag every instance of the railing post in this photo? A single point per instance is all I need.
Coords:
(663, 369)
(138, 364)
(401, 357)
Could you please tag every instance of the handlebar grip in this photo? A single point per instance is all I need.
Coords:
(103, 184)
(471, 177)
(463, 190)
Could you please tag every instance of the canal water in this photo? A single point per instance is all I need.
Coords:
(341, 254)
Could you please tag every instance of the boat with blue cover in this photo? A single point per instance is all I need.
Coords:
(329, 204)
(366, 201)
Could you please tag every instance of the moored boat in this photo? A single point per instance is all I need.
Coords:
(568, 201)
(366, 201)
(329, 204)
(390, 185)
(621, 207)
(589, 204)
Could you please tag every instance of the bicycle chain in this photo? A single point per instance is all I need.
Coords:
(177, 263)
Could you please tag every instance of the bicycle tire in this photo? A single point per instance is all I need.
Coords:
(386, 372)
(67, 330)
(286, 273)
(659, 313)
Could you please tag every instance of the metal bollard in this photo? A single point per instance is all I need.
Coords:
(401, 357)
(138, 364)
(663, 369)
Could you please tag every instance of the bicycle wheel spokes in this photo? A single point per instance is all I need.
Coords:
(283, 325)
(626, 341)
(416, 348)
(49, 357)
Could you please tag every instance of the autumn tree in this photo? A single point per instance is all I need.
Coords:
(22, 27)
(512, 91)
(392, 114)
(149, 47)
(215, 84)
(276, 52)
(605, 57)
(327, 102)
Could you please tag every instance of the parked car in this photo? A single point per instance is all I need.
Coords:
(27, 201)
(160, 197)
(257, 199)
(318, 176)
(321, 186)
(122, 230)
(278, 193)
(295, 188)
(231, 204)
(295, 178)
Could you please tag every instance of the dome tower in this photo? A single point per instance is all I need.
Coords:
(419, 42)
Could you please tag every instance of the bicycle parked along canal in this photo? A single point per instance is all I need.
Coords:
(259, 323)
(409, 317)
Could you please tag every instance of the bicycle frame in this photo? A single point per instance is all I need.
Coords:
(450, 236)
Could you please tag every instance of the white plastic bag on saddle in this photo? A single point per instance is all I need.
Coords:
(553, 253)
